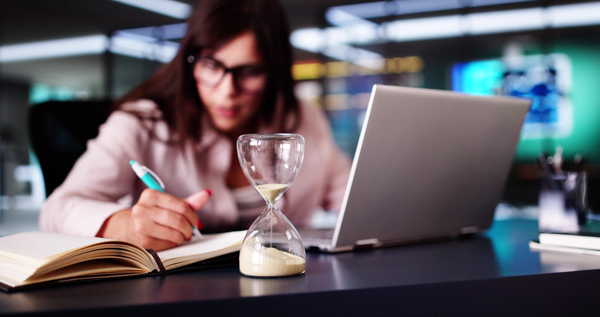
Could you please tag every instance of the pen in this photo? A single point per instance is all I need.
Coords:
(546, 171)
(154, 182)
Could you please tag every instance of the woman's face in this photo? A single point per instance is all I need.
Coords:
(230, 83)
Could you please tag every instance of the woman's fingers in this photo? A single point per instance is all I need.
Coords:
(155, 244)
(151, 221)
(197, 201)
(164, 201)
(173, 204)
(165, 217)
(159, 245)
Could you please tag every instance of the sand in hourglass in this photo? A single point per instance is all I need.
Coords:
(273, 262)
(270, 191)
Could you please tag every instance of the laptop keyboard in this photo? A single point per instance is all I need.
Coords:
(316, 237)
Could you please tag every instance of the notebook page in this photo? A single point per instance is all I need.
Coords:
(209, 243)
(37, 247)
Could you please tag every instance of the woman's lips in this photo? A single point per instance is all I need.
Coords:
(227, 112)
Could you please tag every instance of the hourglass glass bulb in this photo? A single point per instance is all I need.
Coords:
(272, 246)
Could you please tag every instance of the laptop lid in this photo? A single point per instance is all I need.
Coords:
(429, 164)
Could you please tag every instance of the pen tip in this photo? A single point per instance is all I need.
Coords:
(131, 162)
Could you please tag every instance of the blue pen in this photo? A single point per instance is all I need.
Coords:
(154, 182)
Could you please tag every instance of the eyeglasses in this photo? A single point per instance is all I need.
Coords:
(247, 78)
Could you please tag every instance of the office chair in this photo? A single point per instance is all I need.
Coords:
(59, 131)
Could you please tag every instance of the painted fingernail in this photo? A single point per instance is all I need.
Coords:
(199, 226)
(209, 192)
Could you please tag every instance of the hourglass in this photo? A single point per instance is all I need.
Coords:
(272, 246)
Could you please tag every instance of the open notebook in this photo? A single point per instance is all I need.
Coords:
(429, 164)
(32, 258)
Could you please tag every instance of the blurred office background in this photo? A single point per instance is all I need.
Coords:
(541, 49)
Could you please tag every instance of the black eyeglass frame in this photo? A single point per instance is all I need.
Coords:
(192, 59)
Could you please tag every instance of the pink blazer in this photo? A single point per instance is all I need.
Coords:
(102, 182)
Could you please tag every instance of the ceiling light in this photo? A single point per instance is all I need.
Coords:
(94, 44)
(161, 32)
(367, 32)
(575, 15)
(170, 8)
(425, 28)
(506, 21)
(311, 40)
(340, 17)
(143, 47)
(353, 34)
(343, 15)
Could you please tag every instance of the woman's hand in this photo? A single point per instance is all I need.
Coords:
(157, 221)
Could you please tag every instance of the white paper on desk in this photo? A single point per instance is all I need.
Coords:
(541, 247)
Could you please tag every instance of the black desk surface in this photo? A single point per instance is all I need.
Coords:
(491, 274)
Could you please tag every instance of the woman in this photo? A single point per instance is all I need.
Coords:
(231, 76)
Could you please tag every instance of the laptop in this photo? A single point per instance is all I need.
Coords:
(429, 165)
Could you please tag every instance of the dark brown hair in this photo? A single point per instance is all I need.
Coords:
(213, 24)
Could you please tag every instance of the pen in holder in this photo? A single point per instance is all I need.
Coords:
(563, 200)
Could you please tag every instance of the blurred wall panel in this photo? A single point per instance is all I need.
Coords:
(14, 99)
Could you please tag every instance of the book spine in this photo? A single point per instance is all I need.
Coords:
(159, 264)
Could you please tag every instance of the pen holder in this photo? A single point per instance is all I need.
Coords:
(563, 202)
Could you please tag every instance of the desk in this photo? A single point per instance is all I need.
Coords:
(490, 274)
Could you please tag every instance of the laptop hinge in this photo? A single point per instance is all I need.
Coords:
(469, 230)
(366, 243)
